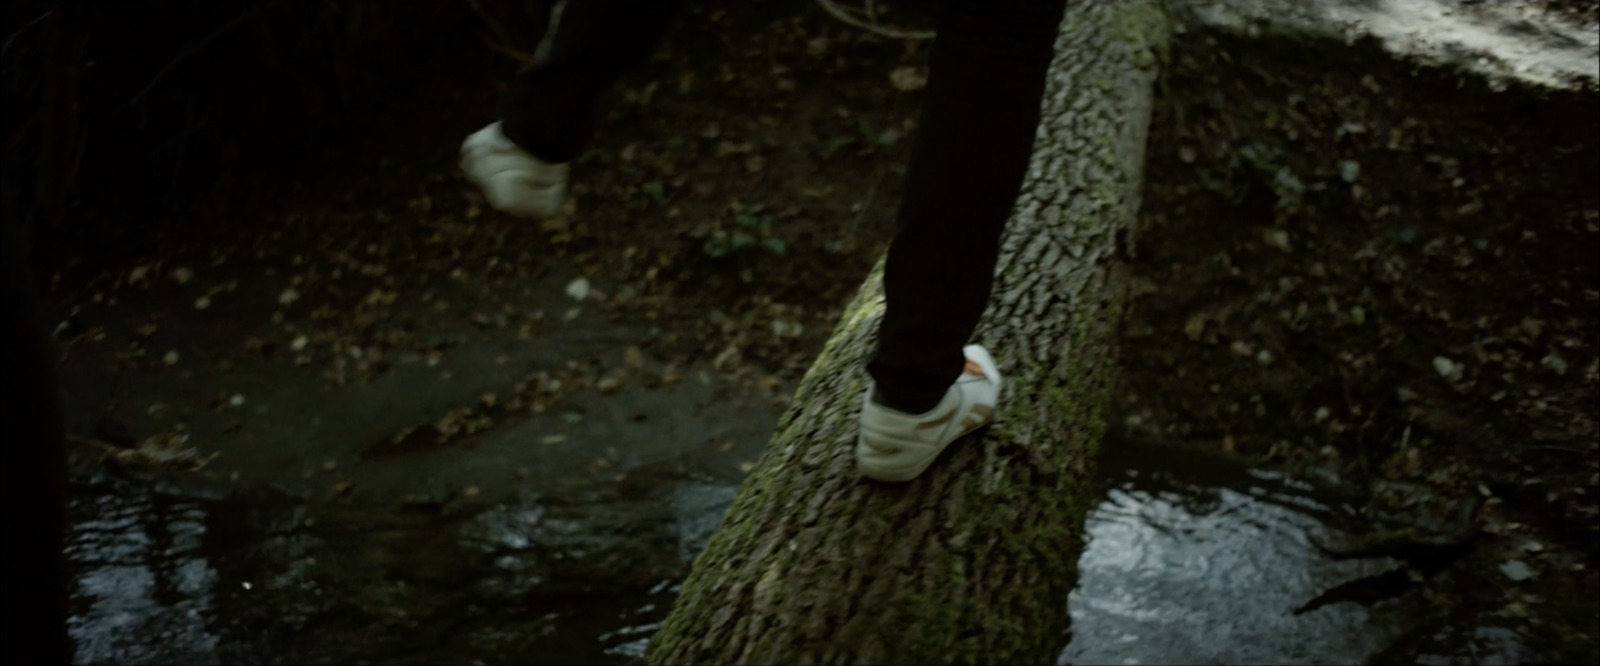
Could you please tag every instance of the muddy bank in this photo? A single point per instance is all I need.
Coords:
(1373, 271)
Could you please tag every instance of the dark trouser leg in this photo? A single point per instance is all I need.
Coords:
(549, 108)
(967, 163)
(33, 475)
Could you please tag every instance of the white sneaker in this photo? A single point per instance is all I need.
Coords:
(896, 446)
(513, 181)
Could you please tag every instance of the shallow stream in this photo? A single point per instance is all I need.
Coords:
(1190, 560)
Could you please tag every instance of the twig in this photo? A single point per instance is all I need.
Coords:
(522, 57)
(499, 42)
(870, 24)
(192, 49)
(541, 53)
(90, 441)
(13, 36)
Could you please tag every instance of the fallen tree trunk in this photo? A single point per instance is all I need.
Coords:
(973, 561)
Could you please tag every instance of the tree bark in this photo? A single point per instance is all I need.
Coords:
(973, 561)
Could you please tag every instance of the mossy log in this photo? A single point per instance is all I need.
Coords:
(973, 561)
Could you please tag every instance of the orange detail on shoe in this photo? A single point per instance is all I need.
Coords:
(972, 368)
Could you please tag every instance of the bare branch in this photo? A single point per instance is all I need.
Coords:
(13, 36)
(191, 49)
(500, 41)
(869, 24)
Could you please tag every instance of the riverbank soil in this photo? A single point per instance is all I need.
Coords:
(1377, 275)
(1384, 276)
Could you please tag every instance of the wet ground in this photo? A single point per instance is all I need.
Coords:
(369, 420)
(1192, 559)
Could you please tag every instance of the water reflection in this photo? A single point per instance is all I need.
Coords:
(1177, 572)
(142, 589)
(1189, 561)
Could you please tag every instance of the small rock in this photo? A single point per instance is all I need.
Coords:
(202, 303)
(1447, 368)
(578, 289)
(907, 79)
(1277, 238)
(182, 274)
(786, 329)
(1556, 363)
(1349, 170)
(236, 400)
(171, 358)
(299, 342)
(288, 296)
(1518, 571)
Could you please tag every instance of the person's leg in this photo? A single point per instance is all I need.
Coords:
(547, 114)
(968, 159)
(549, 108)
